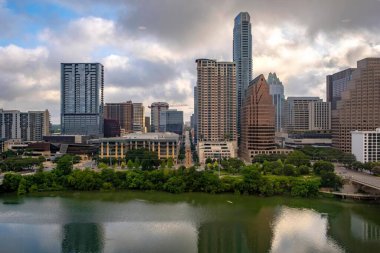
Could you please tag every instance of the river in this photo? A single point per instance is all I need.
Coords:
(161, 222)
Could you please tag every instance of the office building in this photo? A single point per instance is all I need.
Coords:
(156, 108)
(366, 145)
(336, 84)
(319, 116)
(297, 113)
(147, 124)
(242, 56)
(165, 144)
(138, 118)
(111, 128)
(171, 121)
(258, 119)
(359, 107)
(24, 126)
(216, 150)
(195, 115)
(122, 113)
(82, 86)
(276, 90)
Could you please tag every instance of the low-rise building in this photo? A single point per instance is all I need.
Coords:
(216, 150)
(366, 145)
(165, 144)
(320, 140)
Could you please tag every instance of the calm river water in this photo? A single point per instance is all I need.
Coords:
(160, 222)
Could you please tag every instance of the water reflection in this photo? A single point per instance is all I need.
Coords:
(82, 237)
(363, 229)
(301, 230)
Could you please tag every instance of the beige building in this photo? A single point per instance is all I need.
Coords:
(123, 113)
(139, 118)
(319, 116)
(165, 144)
(216, 100)
(216, 150)
(359, 107)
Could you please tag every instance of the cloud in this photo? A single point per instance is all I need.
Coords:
(148, 47)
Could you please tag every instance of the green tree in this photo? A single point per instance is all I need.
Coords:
(330, 179)
(21, 190)
(298, 158)
(320, 166)
(289, 170)
(65, 165)
(11, 182)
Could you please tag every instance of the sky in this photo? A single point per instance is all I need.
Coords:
(149, 47)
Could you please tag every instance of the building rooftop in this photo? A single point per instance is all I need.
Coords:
(146, 136)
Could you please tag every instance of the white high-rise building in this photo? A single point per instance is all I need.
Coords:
(365, 145)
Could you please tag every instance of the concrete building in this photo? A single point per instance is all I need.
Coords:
(216, 150)
(359, 107)
(171, 121)
(165, 144)
(82, 86)
(216, 92)
(297, 113)
(242, 56)
(319, 116)
(155, 110)
(336, 84)
(258, 119)
(366, 145)
(300, 140)
(122, 113)
(195, 115)
(24, 126)
(139, 118)
(276, 90)
(111, 128)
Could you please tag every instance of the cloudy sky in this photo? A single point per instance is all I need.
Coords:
(148, 47)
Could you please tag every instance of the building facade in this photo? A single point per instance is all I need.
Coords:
(216, 150)
(242, 56)
(336, 84)
(276, 89)
(147, 124)
(24, 126)
(171, 121)
(319, 116)
(258, 119)
(297, 113)
(155, 110)
(366, 145)
(216, 92)
(139, 118)
(359, 107)
(82, 86)
(111, 128)
(122, 113)
(195, 115)
(165, 144)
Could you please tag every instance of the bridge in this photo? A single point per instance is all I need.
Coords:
(359, 178)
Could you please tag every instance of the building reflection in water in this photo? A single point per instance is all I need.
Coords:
(301, 230)
(82, 237)
(363, 229)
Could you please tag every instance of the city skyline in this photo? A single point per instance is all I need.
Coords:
(142, 48)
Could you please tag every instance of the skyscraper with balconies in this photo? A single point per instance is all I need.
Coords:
(242, 56)
(82, 86)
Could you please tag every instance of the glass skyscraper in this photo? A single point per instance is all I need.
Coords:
(171, 121)
(82, 87)
(242, 56)
(276, 89)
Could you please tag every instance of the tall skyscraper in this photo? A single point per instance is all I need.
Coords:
(171, 121)
(258, 119)
(276, 89)
(155, 110)
(336, 84)
(25, 126)
(242, 56)
(359, 107)
(216, 98)
(139, 117)
(121, 112)
(82, 86)
(195, 118)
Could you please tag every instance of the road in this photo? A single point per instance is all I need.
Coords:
(188, 158)
(359, 177)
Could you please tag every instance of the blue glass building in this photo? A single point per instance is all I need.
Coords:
(171, 121)
(276, 89)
